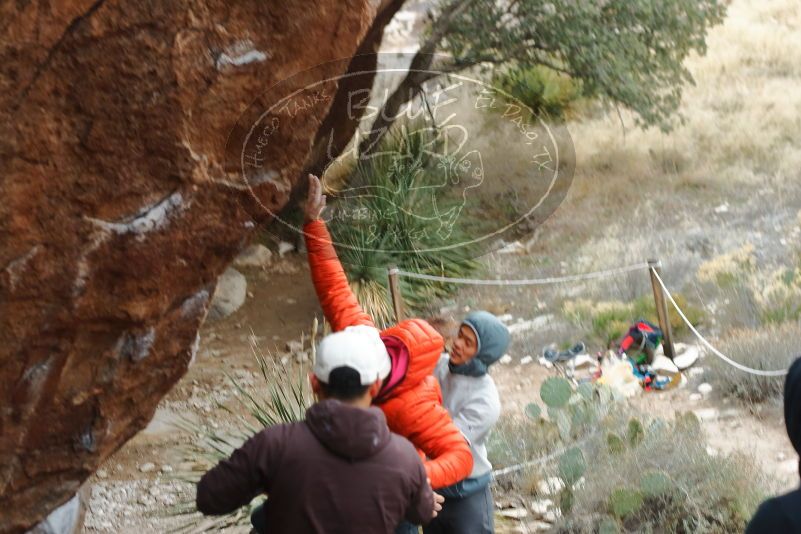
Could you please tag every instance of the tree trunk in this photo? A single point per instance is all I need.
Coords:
(340, 124)
(411, 86)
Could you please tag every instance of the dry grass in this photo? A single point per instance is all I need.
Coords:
(703, 493)
(638, 194)
(752, 296)
(769, 348)
(727, 268)
(741, 117)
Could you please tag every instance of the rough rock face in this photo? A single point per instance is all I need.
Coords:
(119, 209)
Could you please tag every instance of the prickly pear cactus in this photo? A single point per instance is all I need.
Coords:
(555, 392)
(608, 526)
(586, 391)
(689, 421)
(624, 502)
(655, 484)
(604, 395)
(581, 415)
(635, 432)
(533, 411)
(572, 466)
(566, 500)
(564, 425)
(615, 443)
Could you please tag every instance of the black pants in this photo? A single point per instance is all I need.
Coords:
(258, 519)
(470, 515)
(407, 528)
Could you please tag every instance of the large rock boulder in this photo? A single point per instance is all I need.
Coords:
(120, 207)
(67, 518)
(230, 294)
(256, 256)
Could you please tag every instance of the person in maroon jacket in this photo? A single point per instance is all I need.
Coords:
(341, 470)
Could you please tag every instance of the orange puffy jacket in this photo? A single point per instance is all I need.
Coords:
(413, 408)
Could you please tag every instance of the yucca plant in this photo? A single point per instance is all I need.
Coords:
(407, 211)
(544, 91)
(283, 399)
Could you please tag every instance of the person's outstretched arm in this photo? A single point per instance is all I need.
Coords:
(235, 481)
(340, 305)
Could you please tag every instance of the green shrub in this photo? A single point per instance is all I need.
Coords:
(395, 210)
(543, 90)
(748, 296)
(781, 297)
(782, 313)
(610, 320)
(615, 443)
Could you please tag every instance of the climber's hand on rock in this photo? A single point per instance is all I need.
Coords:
(315, 200)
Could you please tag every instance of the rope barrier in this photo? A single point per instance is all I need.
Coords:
(525, 282)
(708, 345)
(591, 276)
(573, 278)
(542, 459)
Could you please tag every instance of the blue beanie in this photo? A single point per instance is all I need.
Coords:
(492, 338)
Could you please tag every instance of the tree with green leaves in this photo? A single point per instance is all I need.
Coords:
(628, 53)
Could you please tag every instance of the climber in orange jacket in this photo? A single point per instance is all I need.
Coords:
(410, 396)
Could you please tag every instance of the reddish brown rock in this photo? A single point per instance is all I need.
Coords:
(119, 209)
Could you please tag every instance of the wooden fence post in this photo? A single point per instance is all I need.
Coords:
(661, 308)
(395, 293)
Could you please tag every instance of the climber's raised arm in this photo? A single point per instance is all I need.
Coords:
(340, 306)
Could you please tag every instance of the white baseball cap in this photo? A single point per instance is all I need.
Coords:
(358, 347)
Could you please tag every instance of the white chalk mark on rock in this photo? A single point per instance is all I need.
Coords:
(36, 373)
(193, 350)
(98, 238)
(239, 54)
(195, 304)
(153, 217)
(17, 266)
(134, 345)
(267, 175)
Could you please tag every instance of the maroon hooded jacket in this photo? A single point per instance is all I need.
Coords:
(341, 470)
